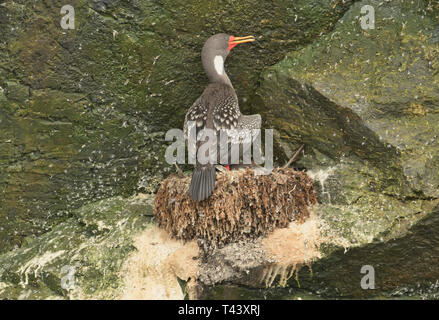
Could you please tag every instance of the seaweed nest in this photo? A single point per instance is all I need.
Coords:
(243, 205)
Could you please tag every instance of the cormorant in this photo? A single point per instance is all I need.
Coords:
(216, 109)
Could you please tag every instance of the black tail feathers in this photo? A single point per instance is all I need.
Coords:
(202, 183)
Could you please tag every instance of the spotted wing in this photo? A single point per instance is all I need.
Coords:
(198, 114)
(195, 117)
(249, 131)
(225, 118)
(226, 112)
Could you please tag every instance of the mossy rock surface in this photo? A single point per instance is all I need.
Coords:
(365, 103)
(84, 112)
(80, 258)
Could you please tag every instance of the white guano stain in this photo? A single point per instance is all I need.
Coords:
(34, 265)
(322, 175)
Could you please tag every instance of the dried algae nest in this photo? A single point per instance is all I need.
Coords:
(243, 205)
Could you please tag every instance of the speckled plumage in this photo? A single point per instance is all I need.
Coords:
(217, 109)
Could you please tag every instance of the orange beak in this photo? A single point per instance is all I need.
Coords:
(234, 41)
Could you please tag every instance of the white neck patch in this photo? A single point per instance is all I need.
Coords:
(219, 65)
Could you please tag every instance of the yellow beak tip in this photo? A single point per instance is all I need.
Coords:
(238, 40)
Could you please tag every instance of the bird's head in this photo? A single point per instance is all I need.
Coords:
(222, 44)
(215, 51)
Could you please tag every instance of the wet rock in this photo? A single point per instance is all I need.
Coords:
(365, 103)
(83, 112)
(83, 115)
(81, 257)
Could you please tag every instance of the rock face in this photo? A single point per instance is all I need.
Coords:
(83, 114)
(366, 104)
(81, 257)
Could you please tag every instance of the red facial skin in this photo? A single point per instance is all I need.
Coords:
(227, 167)
(231, 45)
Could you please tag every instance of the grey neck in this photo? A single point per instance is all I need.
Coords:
(214, 67)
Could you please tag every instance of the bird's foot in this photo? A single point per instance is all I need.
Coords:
(222, 168)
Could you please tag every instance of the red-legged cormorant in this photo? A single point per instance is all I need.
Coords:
(217, 108)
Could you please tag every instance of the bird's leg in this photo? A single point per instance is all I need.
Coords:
(222, 168)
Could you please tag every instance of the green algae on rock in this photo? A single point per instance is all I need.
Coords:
(91, 246)
(83, 114)
(84, 111)
(365, 103)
